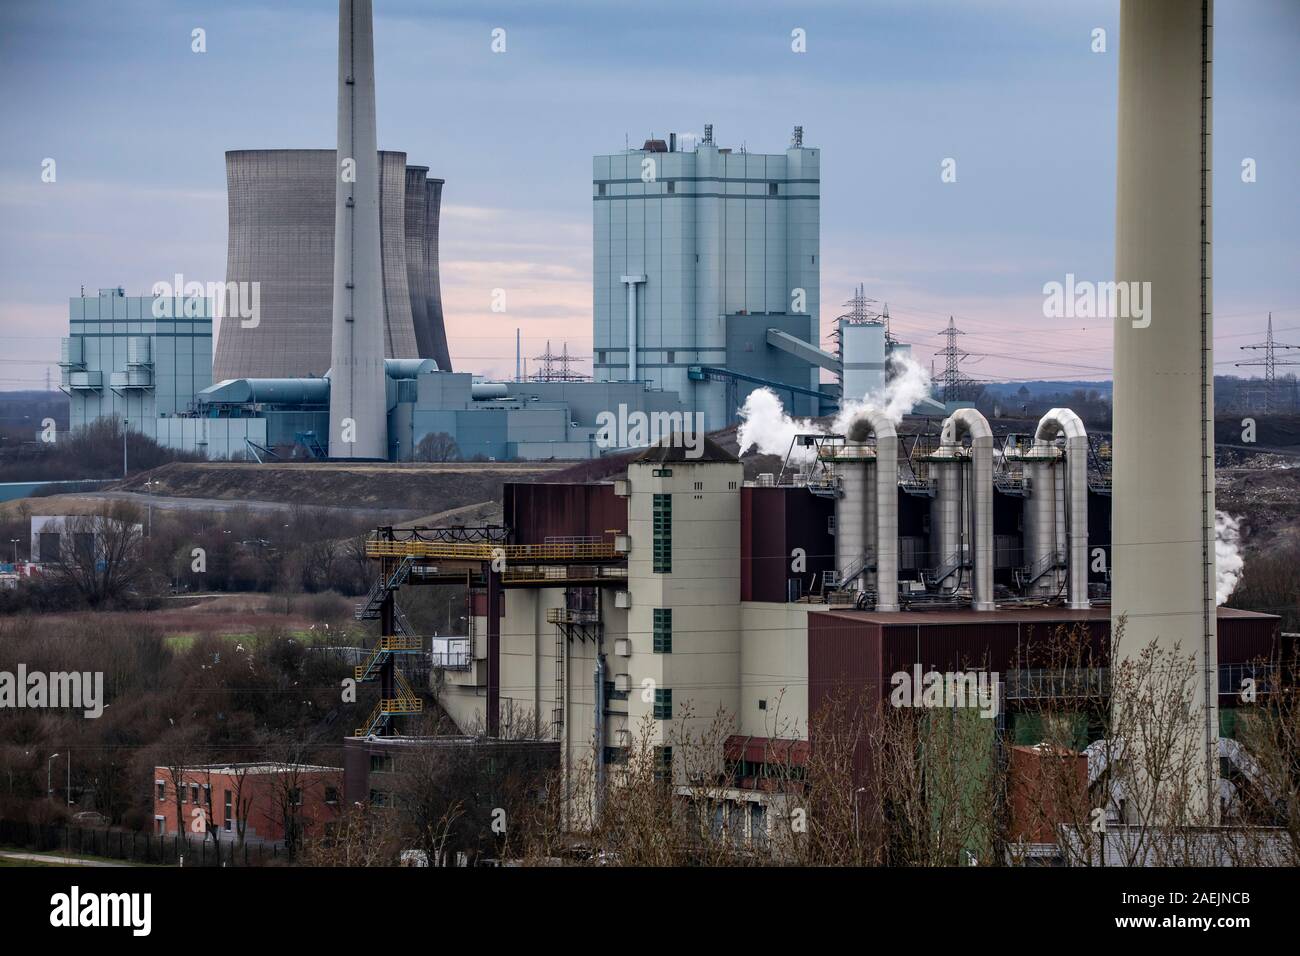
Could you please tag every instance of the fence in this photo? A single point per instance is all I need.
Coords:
(134, 847)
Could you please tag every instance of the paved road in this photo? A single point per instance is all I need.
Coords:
(56, 860)
(228, 504)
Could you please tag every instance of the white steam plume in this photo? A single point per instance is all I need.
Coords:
(1228, 562)
(766, 427)
(909, 383)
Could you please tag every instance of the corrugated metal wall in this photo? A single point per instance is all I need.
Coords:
(535, 512)
(773, 522)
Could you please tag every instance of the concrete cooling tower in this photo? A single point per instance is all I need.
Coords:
(281, 235)
(432, 284)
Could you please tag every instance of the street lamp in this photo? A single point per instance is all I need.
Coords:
(124, 424)
(149, 487)
(49, 780)
(14, 542)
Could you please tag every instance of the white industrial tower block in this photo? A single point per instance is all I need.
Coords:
(681, 241)
(358, 390)
(1163, 478)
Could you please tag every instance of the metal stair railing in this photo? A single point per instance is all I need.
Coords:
(946, 570)
(368, 610)
(1027, 575)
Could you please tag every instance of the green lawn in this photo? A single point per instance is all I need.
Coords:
(183, 640)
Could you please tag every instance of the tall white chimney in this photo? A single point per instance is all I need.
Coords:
(1162, 524)
(358, 390)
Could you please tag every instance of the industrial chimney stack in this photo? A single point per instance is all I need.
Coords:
(358, 390)
(1162, 523)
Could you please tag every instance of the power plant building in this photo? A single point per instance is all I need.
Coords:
(138, 359)
(696, 253)
(654, 603)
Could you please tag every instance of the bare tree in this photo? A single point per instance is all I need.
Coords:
(99, 554)
(437, 446)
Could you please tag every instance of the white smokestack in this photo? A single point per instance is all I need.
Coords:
(358, 389)
(1163, 519)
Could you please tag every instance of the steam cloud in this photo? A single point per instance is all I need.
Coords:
(1228, 562)
(770, 430)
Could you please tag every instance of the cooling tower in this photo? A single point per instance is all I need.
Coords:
(358, 384)
(416, 207)
(432, 282)
(281, 235)
(1162, 523)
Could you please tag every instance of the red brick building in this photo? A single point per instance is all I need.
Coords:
(259, 802)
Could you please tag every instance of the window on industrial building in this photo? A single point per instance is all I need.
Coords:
(758, 825)
(663, 704)
(616, 756)
(229, 818)
(661, 473)
(663, 632)
(672, 357)
(663, 762)
(731, 486)
(295, 797)
(379, 798)
(194, 792)
(699, 486)
(672, 187)
(663, 534)
(600, 190)
(331, 795)
(162, 790)
(381, 763)
(771, 189)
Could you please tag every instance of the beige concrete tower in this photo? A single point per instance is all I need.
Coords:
(358, 390)
(1163, 517)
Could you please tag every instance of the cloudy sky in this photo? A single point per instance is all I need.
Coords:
(138, 124)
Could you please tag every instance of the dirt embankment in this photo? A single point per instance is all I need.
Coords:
(426, 488)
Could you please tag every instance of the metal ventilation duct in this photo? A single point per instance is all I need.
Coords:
(1062, 421)
(866, 513)
(850, 464)
(968, 421)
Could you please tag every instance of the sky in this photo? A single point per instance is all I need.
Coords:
(138, 123)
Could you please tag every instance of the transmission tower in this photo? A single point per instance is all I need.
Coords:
(558, 367)
(1270, 363)
(953, 380)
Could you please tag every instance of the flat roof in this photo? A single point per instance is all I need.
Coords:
(1020, 615)
(252, 768)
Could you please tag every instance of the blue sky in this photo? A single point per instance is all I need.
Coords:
(138, 125)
